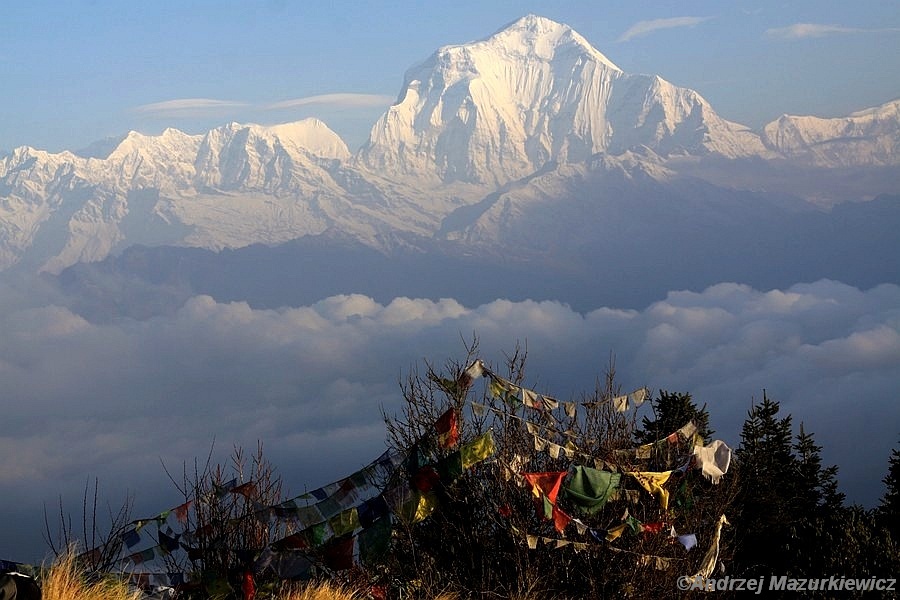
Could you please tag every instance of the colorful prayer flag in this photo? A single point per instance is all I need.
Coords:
(560, 519)
(338, 555)
(546, 484)
(447, 427)
(181, 511)
(653, 483)
(590, 489)
(688, 540)
(477, 450)
(374, 542)
(344, 522)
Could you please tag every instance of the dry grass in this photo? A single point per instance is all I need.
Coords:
(64, 581)
(319, 591)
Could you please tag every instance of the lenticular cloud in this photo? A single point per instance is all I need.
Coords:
(113, 400)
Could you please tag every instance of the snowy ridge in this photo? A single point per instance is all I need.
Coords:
(270, 159)
(867, 137)
(165, 162)
(482, 140)
(85, 203)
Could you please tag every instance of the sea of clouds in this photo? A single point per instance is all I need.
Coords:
(123, 401)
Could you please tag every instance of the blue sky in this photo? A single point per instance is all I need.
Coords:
(79, 71)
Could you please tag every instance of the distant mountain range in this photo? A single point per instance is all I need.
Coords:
(528, 148)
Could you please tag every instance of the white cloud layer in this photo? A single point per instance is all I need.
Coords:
(112, 401)
(336, 101)
(194, 107)
(816, 30)
(642, 28)
(188, 107)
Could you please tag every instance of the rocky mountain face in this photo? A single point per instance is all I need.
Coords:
(488, 142)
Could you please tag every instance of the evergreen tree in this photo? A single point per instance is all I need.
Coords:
(818, 535)
(817, 487)
(764, 507)
(671, 410)
(789, 516)
(862, 549)
(889, 508)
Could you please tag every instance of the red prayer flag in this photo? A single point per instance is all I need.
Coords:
(248, 586)
(651, 527)
(447, 427)
(181, 511)
(245, 489)
(560, 519)
(425, 479)
(545, 483)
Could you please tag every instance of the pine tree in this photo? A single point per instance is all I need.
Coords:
(889, 508)
(817, 487)
(764, 507)
(671, 410)
(818, 535)
(790, 516)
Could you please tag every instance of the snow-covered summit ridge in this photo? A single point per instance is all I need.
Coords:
(172, 160)
(247, 157)
(538, 37)
(91, 199)
(536, 92)
(872, 137)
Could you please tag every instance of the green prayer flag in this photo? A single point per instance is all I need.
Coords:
(589, 489)
(450, 468)
(635, 525)
(319, 533)
(506, 392)
(477, 450)
(375, 541)
(547, 507)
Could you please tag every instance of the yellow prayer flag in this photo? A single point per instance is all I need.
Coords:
(554, 450)
(529, 398)
(418, 507)
(653, 483)
(344, 522)
(477, 450)
(615, 532)
(411, 505)
(427, 504)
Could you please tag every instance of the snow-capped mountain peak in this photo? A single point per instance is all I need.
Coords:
(237, 156)
(168, 142)
(534, 93)
(311, 135)
(539, 37)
